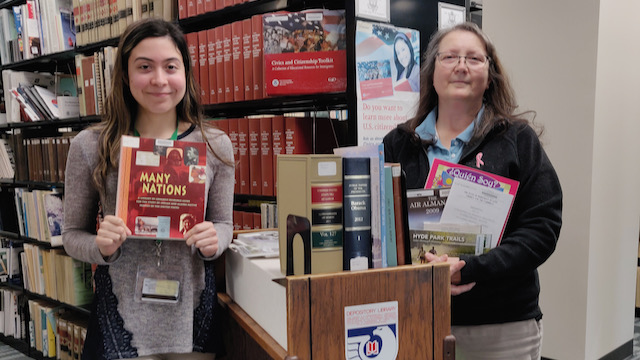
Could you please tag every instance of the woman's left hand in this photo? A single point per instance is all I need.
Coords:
(204, 237)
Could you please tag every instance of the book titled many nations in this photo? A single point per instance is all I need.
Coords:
(161, 186)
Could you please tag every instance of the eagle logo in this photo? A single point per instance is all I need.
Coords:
(377, 342)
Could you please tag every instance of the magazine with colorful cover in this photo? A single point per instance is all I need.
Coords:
(443, 172)
(161, 186)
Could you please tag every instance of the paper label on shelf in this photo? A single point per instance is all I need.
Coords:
(371, 331)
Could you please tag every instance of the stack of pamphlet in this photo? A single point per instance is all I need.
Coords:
(257, 244)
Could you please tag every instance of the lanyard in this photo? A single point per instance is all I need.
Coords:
(159, 242)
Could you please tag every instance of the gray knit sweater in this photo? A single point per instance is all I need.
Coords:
(128, 327)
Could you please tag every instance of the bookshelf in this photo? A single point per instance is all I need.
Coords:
(283, 104)
(28, 300)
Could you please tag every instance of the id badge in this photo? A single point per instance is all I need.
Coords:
(158, 284)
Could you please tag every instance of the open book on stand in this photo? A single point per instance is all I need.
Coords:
(161, 186)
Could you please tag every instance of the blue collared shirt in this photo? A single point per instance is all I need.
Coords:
(427, 131)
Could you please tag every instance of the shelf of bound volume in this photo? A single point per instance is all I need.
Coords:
(249, 8)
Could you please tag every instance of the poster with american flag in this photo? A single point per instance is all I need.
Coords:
(388, 78)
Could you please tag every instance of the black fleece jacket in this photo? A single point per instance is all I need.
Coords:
(507, 286)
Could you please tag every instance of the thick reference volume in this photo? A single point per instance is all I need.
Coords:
(161, 186)
(310, 187)
(356, 185)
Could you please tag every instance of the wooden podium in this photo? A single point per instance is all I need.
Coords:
(316, 312)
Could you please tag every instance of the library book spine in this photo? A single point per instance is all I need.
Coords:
(356, 185)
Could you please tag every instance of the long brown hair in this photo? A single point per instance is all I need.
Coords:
(121, 108)
(499, 98)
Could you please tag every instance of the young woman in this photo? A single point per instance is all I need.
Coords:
(153, 95)
(466, 115)
(406, 66)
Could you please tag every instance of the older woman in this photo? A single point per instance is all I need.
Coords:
(466, 115)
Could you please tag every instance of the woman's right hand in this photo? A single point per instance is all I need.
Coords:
(111, 234)
(455, 265)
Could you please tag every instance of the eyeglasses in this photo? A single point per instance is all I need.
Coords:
(472, 61)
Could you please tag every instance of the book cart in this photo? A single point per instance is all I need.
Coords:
(315, 315)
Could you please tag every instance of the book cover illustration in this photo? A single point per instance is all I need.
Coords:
(443, 172)
(446, 242)
(161, 186)
(425, 206)
(305, 52)
(55, 219)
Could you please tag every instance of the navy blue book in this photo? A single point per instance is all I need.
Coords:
(356, 187)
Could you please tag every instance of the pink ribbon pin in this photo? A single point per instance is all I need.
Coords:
(479, 161)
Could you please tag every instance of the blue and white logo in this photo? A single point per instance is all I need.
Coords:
(375, 342)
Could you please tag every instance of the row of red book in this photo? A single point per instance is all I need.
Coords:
(267, 218)
(189, 8)
(228, 61)
(246, 220)
(258, 141)
(270, 55)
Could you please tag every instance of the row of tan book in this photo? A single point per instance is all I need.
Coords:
(93, 79)
(7, 160)
(97, 20)
(54, 274)
(40, 214)
(190, 8)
